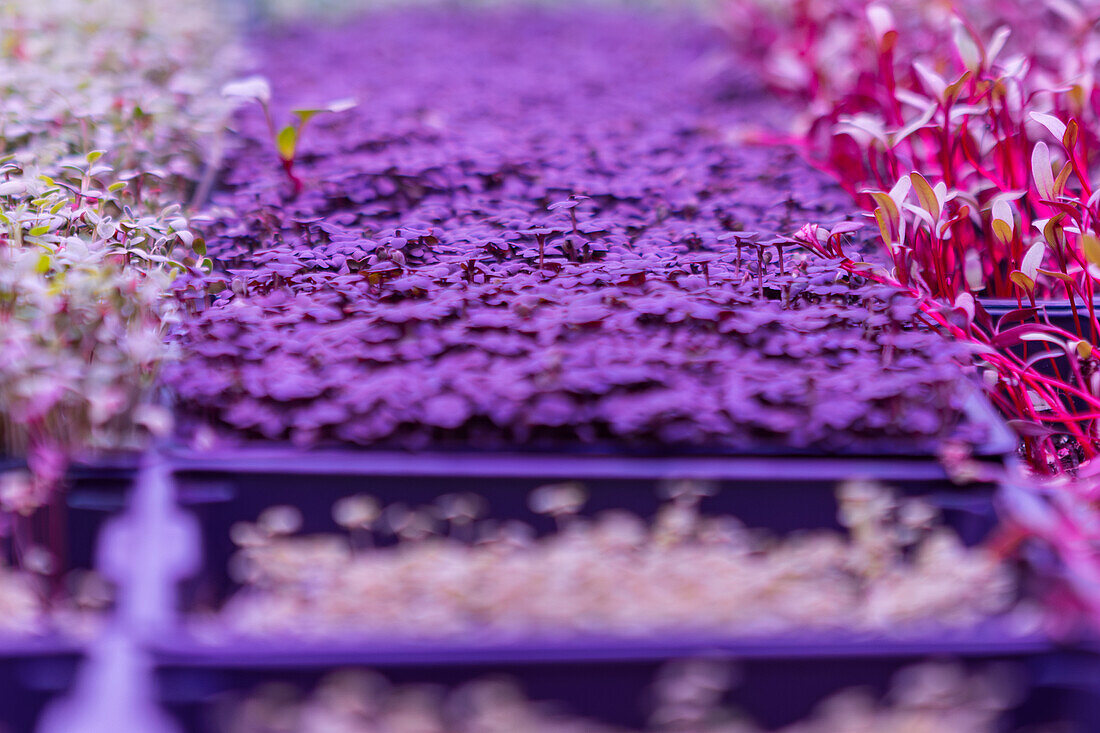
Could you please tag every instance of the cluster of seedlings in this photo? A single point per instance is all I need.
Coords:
(445, 571)
(106, 125)
(688, 696)
(970, 134)
(108, 117)
(541, 248)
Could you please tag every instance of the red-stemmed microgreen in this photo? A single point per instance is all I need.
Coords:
(286, 139)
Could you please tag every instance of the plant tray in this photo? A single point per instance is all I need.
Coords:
(32, 672)
(782, 679)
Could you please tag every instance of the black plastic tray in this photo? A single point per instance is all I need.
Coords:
(782, 679)
(779, 495)
(32, 672)
(98, 488)
(1060, 312)
(781, 492)
(602, 677)
(95, 488)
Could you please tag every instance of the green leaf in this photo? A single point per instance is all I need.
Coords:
(1055, 126)
(1044, 337)
(1091, 246)
(39, 230)
(927, 196)
(1056, 275)
(1054, 232)
(965, 303)
(1022, 280)
(1041, 171)
(116, 186)
(1029, 265)
(966, 45)
(341, 105)
(922, 121)
(199, 246)
(1060, 181)
(305, 115)
(972, 269)
(43, 264)
(882, 22)
(996, 44)
(254, 87)
(1069, 138)
(286, 142)
(1002, 220)
(881, 217)
(889, 208)
(93, 156)
(952, 90)
(932, 81)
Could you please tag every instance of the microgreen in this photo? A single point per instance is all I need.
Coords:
(285, 139)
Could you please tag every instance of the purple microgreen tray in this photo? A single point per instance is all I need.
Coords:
(549, 256)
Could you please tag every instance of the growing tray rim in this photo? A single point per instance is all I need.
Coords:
(284, 458)
(123, 464)
(18, 646)
(182, 649)
(1000, 443)
(290, 461)
(1055, 307)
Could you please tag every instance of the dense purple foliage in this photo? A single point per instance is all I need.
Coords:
(534, 229)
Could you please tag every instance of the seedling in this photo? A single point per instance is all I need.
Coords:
(286, 139)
